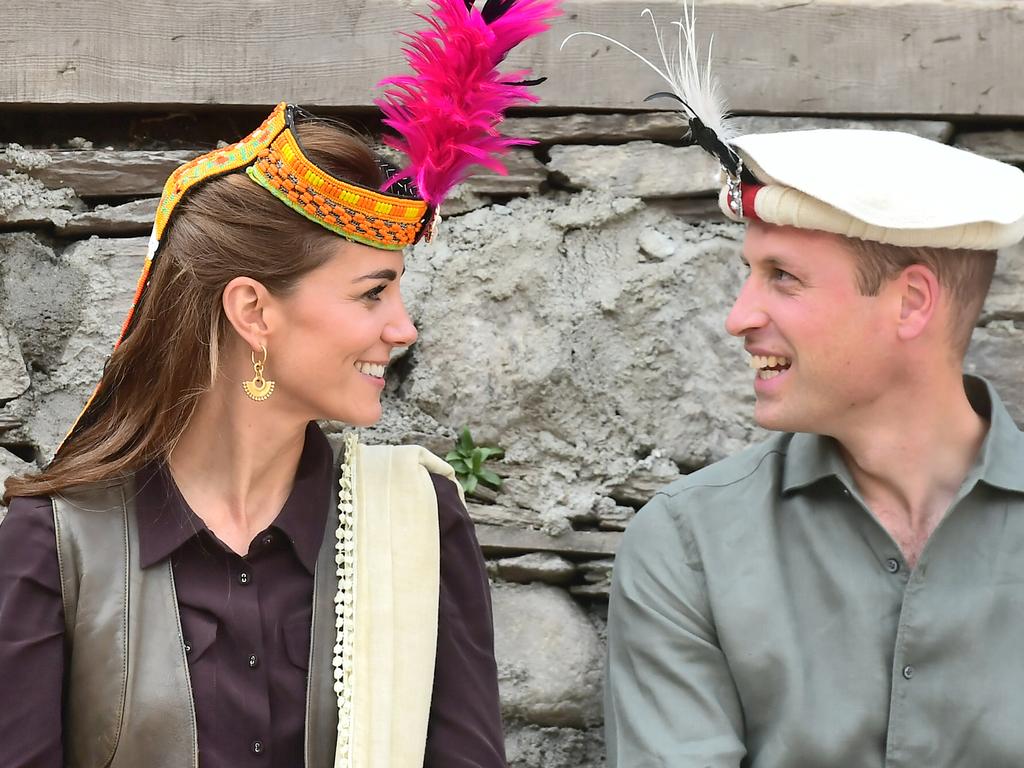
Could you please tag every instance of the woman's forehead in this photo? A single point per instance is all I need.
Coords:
(355, 260)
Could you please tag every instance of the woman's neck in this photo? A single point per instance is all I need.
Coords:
(235, 463)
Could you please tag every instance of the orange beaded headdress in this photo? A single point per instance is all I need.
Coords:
(273, 157)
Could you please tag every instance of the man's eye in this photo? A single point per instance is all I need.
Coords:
(781, 274)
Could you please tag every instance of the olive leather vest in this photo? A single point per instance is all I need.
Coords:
(128, 697)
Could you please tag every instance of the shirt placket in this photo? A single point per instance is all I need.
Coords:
(905, 678)
(903, 668)
(247, 660)
(910, 583)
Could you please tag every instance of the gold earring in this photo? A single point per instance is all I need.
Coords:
(258, 388)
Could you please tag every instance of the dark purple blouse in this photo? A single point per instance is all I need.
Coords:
(246, 625)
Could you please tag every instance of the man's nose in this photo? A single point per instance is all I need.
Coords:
(747, 313)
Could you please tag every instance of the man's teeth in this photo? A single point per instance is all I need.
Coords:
(768, 366)
(371, 369)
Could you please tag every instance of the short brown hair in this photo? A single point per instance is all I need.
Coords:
(966, 274)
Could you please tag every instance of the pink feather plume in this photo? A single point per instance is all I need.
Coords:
(446, 114)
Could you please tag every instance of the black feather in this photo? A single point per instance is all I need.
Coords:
(666, 95)
(702, 136)
(495, 9)
(529, 83)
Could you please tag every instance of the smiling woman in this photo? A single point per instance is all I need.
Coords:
(197, 578)
(175, 562)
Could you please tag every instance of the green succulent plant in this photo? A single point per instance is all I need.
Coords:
(468, 462)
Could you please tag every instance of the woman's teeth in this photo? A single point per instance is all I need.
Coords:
(371, 369)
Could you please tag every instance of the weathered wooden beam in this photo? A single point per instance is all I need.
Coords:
(132, 218)
(923, 57)
(1007, 146)
(105, 173)
(135, 173)
(593, 128)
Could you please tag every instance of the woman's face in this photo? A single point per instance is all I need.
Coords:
(329, 350)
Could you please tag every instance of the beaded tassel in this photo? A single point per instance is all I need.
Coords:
(344, 601)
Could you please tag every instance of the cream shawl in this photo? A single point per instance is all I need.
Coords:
(388, 633)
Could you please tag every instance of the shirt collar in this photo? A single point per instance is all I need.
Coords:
(811, 457)
(166, 521)
(999, 460)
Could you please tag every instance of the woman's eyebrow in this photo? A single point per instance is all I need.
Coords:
(381, 274)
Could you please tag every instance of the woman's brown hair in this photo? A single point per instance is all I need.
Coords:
(225, 228)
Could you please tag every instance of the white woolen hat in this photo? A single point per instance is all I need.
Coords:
(884, 186)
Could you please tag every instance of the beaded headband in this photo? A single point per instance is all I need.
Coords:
(273, 157)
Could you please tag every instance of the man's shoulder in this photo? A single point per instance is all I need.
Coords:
(752, 467)
(727, 504)
(728, 487)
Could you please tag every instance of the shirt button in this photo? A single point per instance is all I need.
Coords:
(892, 565)
(253, 661)
(243, 578)
(188, 648)
(257, 747)
(268, 540)
(908, 672)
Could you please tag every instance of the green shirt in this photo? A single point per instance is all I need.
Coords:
(760, 616)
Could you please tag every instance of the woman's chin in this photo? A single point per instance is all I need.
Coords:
(359, 418)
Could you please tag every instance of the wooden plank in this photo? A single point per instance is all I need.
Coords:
(132, 218)
(499, 540)
(1007, 146)
(909, 57)
(106, 173)
(135, 173)
(615, 128)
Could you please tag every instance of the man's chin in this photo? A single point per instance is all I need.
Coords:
(772, 419)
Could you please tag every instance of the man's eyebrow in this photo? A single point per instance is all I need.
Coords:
(772, 262)
(380, 274)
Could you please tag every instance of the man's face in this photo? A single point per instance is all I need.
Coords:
(833, 347)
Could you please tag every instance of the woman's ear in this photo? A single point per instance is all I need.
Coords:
(246, 304)
(919, 299)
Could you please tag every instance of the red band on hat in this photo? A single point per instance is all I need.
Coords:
(749, 193)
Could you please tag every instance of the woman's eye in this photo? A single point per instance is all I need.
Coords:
(374, 293)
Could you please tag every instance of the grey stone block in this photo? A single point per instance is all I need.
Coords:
(549, 657)
(639, 168)
(536, 566)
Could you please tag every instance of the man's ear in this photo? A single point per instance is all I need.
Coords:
(919, 299)
(246, 303)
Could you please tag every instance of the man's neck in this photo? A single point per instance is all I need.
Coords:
(909, 462)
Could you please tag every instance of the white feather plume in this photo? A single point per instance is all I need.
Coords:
(698, 91)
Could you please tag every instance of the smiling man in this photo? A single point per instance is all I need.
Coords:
(849, 593)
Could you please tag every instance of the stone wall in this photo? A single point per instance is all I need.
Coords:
(571, 313)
